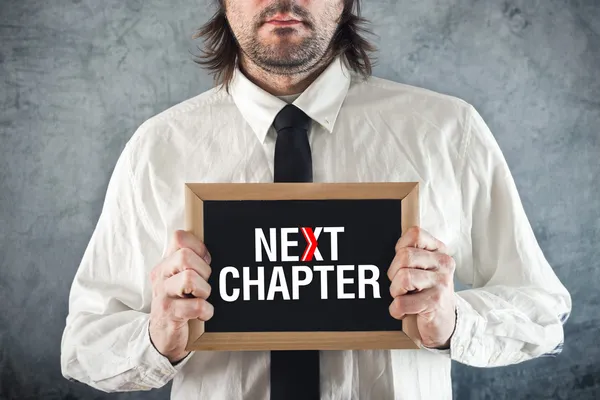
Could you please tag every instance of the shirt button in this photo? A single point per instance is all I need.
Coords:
(326, 121)
(460, 350)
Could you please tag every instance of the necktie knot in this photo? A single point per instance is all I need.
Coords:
(291, 116)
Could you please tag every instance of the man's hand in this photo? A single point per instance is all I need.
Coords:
(179, 293)
(422, 283)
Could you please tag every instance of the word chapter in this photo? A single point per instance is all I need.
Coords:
(278, 283)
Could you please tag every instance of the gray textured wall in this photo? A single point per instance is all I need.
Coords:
(78, 77)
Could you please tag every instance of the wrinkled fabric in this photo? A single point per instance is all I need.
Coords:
(372, 130)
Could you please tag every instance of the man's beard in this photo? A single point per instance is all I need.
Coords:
(285, 58)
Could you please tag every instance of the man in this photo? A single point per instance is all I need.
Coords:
(277, 63)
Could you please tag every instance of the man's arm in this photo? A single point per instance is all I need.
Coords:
(106, 341)
(517, 306)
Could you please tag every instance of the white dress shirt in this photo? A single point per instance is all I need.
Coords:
(363, 131)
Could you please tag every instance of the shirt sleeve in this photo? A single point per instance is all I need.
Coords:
(106, 343)
(516, 306)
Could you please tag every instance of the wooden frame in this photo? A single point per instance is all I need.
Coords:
(196, 193)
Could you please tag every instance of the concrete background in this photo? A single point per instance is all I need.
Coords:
(78, 77)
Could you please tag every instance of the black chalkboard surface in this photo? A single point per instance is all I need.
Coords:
(363, 245)
(300, 265)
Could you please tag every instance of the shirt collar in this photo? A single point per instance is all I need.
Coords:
(321, 101)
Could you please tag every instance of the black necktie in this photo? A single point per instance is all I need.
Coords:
(294, 373)
(293, 161)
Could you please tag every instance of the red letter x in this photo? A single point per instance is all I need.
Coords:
(311, 245)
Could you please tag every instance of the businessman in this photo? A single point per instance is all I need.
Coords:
(295, 101)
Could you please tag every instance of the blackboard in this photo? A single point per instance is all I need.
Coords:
(367, 240)
(300, 265)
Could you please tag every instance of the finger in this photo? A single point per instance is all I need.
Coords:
(420, 238)
(187, 282)
(410, 279)
(411, 257)
(186, 309)
(184, 259)
(184, 239)
(416, 303)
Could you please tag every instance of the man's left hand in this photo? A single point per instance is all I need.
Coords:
(422, 275)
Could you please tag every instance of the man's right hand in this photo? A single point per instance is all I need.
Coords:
(183, 273)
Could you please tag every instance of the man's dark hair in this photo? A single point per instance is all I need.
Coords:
(221, 49)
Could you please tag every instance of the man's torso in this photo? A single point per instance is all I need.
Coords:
(384, 132)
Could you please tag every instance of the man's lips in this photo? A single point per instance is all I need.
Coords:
(283, 20)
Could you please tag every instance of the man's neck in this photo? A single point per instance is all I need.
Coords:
(282, 85)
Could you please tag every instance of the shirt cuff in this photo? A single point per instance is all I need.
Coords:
(462, 346)
(158, 369)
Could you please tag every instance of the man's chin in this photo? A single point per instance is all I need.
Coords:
(285, 55)
(284, 58)
(284, 65)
